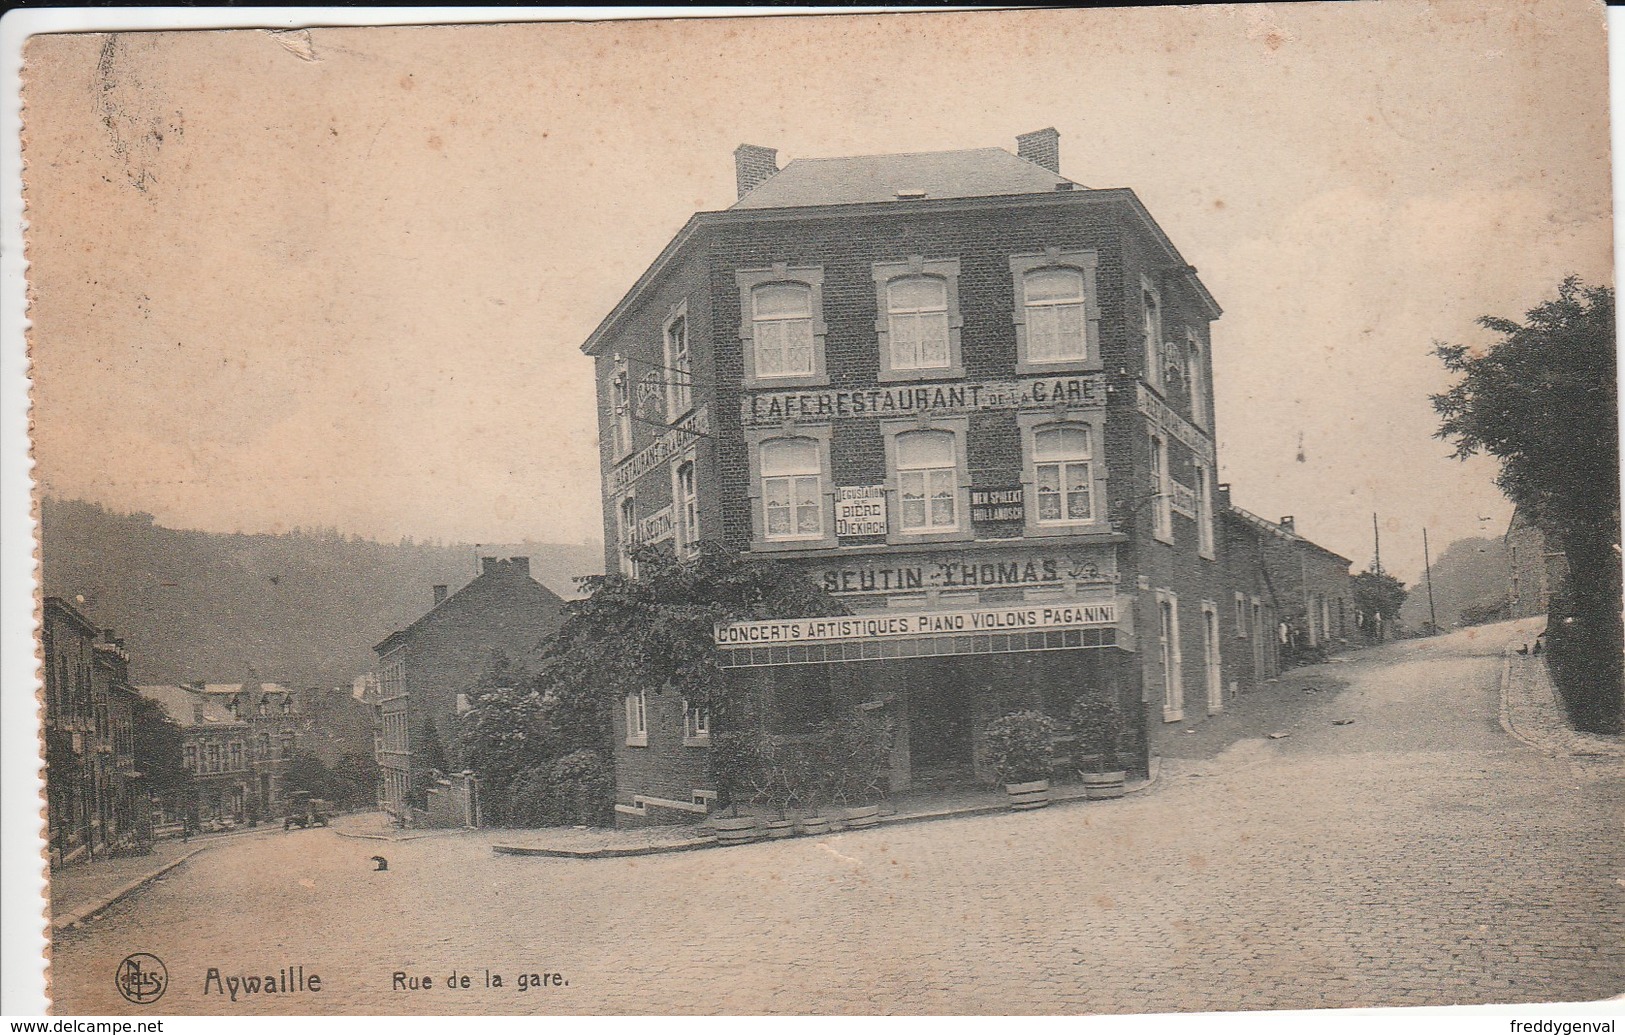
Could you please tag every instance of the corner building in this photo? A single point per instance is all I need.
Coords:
(969, 396)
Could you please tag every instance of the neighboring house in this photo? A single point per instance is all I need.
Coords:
(1535, 571)
(93, 796)
(239, 741)
(216, 749)
(1313, 589)
(426, 669)
(966, 394)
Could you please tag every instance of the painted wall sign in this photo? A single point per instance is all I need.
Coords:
(860, 510)
(1004, 503)
(818, 405)
(661, 450)
(921, 623)
(908, 573)
(1163, 415)
(655, 527)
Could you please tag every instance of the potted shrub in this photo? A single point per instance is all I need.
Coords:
(1098, 724)
(735, 761)
(777, 789)
(1020, 749)
(858, 754)
(806, 770)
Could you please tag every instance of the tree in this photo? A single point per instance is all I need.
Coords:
(160, 755)
(428, 758)
(1378, 593)
(654, 633)
(1544, 401)
(504, 733)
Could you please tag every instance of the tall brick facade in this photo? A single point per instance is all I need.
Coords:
(963, 393)
(424, 668)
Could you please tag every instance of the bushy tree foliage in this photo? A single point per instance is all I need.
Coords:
(1544, 401)
(1378, 593)
(160, 753)
(654, 633)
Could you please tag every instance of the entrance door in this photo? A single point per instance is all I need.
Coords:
(940, 717)
(1210, 657)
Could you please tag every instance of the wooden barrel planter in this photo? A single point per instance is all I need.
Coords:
(736, 830)
(863, 818)
(1024, 796)
(780, 828)
(815, 825)
(1101, 786)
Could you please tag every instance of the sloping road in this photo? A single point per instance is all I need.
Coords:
(1415, 855)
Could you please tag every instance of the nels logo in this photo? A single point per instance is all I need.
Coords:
(141, 978)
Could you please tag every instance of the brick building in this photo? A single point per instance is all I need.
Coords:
(1311, 586)
(426, 669)
(239, 741)
(969, 396)
(93, 796)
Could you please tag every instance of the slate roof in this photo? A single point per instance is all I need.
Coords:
(981, 173)
(182, 703)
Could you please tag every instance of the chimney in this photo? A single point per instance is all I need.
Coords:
(439, 594)
(487, 565)
(1041, 147)
(520, 566)
(1224, 495)
(753, 166)
(1286, 523)
(107, 636)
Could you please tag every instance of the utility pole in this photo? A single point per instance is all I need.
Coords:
(1376, 535)
(1427, 566)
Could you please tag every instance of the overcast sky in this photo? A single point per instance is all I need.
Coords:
(341, 278)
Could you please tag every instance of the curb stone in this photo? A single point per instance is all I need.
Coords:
(885, 821)
(77, 916)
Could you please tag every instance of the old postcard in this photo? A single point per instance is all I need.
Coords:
(1105, 511)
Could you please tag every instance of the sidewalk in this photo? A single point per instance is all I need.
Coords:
(594, 843)
(1531, 712)
(85, 889)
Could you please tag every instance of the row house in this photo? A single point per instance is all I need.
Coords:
(239, 741)
(426, 670)
(967, 395)
(93, 796)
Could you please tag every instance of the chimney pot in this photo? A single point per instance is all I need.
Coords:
(753, 166)
(1041, 147)
(1286, 523)
(439, 594)
(487, 565)
(520, 565)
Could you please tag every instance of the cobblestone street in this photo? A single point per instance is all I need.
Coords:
(1417, 855)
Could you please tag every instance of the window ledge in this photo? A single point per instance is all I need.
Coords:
(793, 381)
(783, 545)
(954, 373)
(1173, 715)
(638, 742)
(1085, 365)
(950, 536)
(697, 742)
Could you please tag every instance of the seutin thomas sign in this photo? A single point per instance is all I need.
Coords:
(1021, 617)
